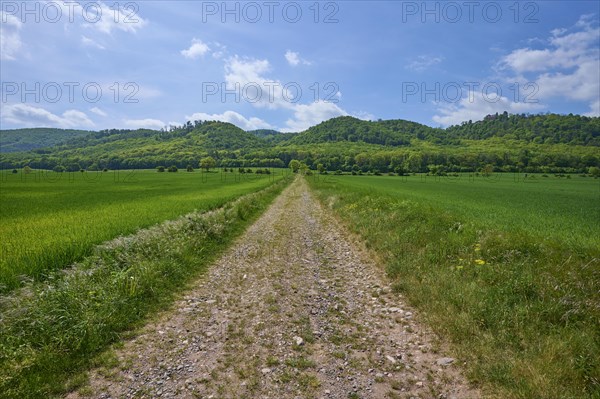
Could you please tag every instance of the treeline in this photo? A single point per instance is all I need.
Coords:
(502, 142)
(397, 161)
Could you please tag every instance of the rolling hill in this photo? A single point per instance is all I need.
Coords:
(30, 139)
(560, 143)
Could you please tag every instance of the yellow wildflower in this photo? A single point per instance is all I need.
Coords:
(479, 262)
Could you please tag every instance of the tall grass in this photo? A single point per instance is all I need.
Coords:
(50, 220)
(508, 272)
(53, 330)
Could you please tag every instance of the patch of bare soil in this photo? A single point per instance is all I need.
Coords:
(292, 310)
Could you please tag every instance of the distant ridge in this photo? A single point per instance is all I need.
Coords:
(502, 141)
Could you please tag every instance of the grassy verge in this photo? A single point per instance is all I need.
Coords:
(53, 330)
(519, 303)
(50, 219)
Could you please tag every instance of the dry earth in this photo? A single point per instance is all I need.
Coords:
(295, 309)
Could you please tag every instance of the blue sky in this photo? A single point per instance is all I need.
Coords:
(290, 65)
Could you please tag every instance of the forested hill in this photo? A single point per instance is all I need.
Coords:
(30, 139)
(563, 143)
(201, 135)
(347, 128)
(548, 128)
(272, 136)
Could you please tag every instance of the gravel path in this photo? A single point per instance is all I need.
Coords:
(295, 309)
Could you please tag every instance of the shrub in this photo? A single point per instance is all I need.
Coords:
(14, 171)
(190, 168)
(172, 169)
(208, 163)
(160, 168)
(57, 169)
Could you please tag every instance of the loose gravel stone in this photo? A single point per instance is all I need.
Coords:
(296, 308)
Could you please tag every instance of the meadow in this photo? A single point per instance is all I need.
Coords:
(507, 267)
(50, 220)
(55, 329)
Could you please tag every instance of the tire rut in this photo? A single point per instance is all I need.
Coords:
(292, 310)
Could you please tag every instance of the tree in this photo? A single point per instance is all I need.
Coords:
(487, 170)
(320, 168)
(294, 165)
(207, 163)
(304, 168)
(594, 171)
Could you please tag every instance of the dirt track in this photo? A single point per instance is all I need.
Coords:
(293, 310)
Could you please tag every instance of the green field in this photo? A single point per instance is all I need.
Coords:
(506, 267)
(55, 329)
(50, 220)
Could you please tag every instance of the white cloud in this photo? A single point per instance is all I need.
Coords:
(423, 62)
(566, 50)
(366, 116)
(567, 68)
(476, 106)
(10, 37)
(594, 109)
(525, 59)
(293, 58)
(246, 77)
(105, 18)
(27, 115)
(307, 115)
(197, 49)
(220, 52)
(583, 84)
(144, 124)
(270, 93)
(239, 70)
(86, 41)
(232, 117)
(98, 111)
